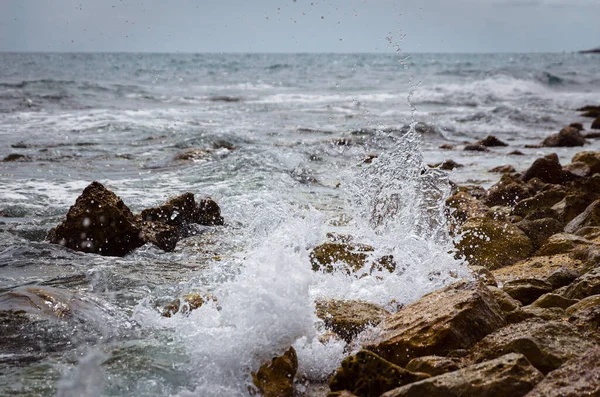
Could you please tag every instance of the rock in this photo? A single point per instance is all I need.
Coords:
(517, 153)
(527, 313)
(571, 206)
(160, 234)
(579, 169)
(585, 315)
(504, 169)
(509, 375)
(368, 375)
(586, 285)
(590, 111)
(353, 256)
(546, 344)
(592, 135)
(492, 141)
(447, 146)
(183, 210)
(596, 124)
(224, 98)
(590, 158)
(209, 212)
(447, 165)
(577, 126)
(193, 154)
(506, 302)
(543, 199)
(589, 217)
(476, 147)
(476, 191)
(540, 267)
(540, 230)
(190, 302)
(562, 243)
(547, 169)
(584, 304)
(553, 300)
(562, 277)
(492, 244)
(456, 317)
(276, 379)
(99, 222)
(526, 290)
(16, 157)
(432, 365)
(484, 275)
(508, 191)
(463, 206)
(567, 137)
(343, 393)
(577, 377)
(349, 318)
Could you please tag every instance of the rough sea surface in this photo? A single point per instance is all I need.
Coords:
(280, 144)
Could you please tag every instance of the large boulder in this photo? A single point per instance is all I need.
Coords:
(276, 378)
(368, 375)
(509, 375)
(567, 137)
(452, 318)
(349, 318)
(546, 344)
(577, 377)
(99, 222)
(493, 243)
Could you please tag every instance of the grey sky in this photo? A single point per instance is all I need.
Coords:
(299, 25)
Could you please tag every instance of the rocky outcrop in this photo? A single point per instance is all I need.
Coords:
(455, 317)
(349, 318)
(509, 375)
(276, 379)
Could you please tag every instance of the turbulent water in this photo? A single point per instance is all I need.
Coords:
(283, 140)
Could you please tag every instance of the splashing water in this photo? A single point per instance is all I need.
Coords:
(87, 379)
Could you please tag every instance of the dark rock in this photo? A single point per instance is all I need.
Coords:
(476, 147)
(99, 222)
(509, 375)
(352, 256)
(432, 365)
(224, 98)
(590, 158)
(447, 146)
(590, 111)
(577, 126)
(527, 290)
(193, 155)
(183, 211)
(546, 344)
(539, 230)
(447, 165)
(464, 206)
(276, 379)
(571, 206)
(579, 169)
(368, 375)
(589, 217)
(547, 169)
(567, 137)
(553, 300)
(543, 199)
(349, 318)
(577, 377)
(16, 157)
(492, 141)
(209, 213)
(508, 191)
(457, 317)
(503, 169)
(586, 285)
(562, 277)
(592, 135)
(596, 124)
(517, 153)
(585, 315)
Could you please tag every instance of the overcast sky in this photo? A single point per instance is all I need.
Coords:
(299, 25)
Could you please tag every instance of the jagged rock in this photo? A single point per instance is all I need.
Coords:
(509, 375)
(546, 344)
(368, 375)
(99, 222)
(190, 302)
(543, 199)
(562, 243)
(476, 147)
(451, 318)
(160, 234)
(553, 300)
(547, 169)
(584, 304)
(540, 230)
(526, 290)
(575, 378)
(503, 169)
(589, 232)
(492, 244)
(492, 141)
(539, 267)
(567, 137)
(209, 212)
(586, 285)
(276, 379)
(530, 312)
(506, 302)
(585, 315)
(349, 318)
(571, 206)
(589, 217)
(16, 157)
(484, 275)
(432, 365)
(353, 256)
(464, 206)
(562, 277)
(183, 210)
(508, 191)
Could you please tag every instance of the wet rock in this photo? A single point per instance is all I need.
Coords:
(276, 379)
(352, 256)
(577, 126)
(584, 304)
(432, 365)
(547, 169)
(509, 375)
(543, 199)
(484, 275)
(16, 157)
(224, 98)
(577, 377)
(368, 375)
(527, 313)
(186, 304)
(343, 393)
(526, 290)
(567, 137)
(209, 212)
(193, 155)
(451, 318)
(463, 206)
(596, 124)
(540, 267)
(504, 169)
(540, 230)
(508, 191)
(517, 153)
(586, 285)
(562, 277)
(506, 302)
(474, 190)
(590, 111)
(590, 158)
(492, 244)
(476, 147)
(160, 234)
(349, 318)
(553, 300)
(589, 217)
(562, 243)
(447, 146)
(492, 141)
(571, 206)
(579, 169)
(99, 222)
(447, 165)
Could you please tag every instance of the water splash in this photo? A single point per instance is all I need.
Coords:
(87, 379)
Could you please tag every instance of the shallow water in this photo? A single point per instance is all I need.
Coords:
(285, 137)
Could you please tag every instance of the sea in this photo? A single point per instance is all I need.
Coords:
(295, 148)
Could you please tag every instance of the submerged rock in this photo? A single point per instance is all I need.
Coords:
(509, 375)
(349, 318)
(368, 375)
(276, 379)
(454, 317)
(99, 222)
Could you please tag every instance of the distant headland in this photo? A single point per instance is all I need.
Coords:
(592, 51)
